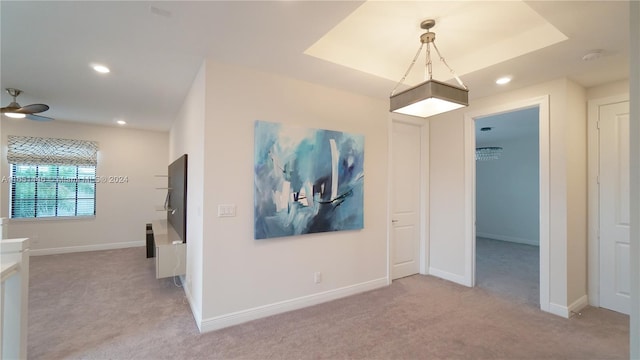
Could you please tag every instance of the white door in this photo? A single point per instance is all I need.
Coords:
(405, 199)
(614, 196)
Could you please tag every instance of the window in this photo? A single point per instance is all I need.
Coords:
(52, 177)
(52, 191)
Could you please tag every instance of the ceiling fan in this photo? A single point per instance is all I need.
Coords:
(14, 110)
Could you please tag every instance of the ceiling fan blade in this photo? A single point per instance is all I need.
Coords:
(33, 108)
(38, 117)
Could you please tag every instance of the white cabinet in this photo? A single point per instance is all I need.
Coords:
(14, 297)
(170, 250)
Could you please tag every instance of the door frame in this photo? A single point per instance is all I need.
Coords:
(593, 204)
(424, 191)
(542, 102)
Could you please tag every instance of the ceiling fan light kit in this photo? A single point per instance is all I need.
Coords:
(14, 110)
(14, 115)
(430, 97)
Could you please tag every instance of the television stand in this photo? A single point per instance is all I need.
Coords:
(170, 251)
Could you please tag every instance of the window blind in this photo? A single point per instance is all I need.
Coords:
(30, 150)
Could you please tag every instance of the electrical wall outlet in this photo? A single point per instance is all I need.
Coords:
(317, 277)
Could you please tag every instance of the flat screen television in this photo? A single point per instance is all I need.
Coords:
(176, 203)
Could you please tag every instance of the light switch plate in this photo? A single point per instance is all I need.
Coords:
(226, 210)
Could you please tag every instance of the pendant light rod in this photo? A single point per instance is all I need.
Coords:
(428, 38)
(449, 67)
(413, 62)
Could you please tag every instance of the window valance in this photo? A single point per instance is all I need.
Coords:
(37, 151)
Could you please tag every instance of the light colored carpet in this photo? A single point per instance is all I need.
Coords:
(108, 305)
(509, 270)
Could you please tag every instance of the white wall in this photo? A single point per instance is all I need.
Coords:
(609, 89)
(576, 185)
(447, 251)
(187, 137)
(447, 234)
(244, 278)
(507, 189)
(122, 209)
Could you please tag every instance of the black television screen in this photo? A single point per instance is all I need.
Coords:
(177, 196)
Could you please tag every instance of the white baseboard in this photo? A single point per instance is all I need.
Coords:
(579, 304)
(567, 311)
(559, 310)
(458, 279)
(508, 238)
(197, 316)
(83, 248)
(242, 316)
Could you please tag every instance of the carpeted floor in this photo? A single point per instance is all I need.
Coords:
(509, 270)
(108, 305)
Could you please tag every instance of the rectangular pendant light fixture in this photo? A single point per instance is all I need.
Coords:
(429, 98)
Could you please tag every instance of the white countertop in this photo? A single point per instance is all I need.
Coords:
(164, 233)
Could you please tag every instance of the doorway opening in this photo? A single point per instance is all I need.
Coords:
(508, 204)
(541, 104)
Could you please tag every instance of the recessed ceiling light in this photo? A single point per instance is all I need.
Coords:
(503, 80)
(101, 68)
(121, 122)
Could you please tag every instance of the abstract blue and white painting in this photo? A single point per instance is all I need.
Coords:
(306, 180)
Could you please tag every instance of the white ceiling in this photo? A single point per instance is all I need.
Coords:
(473, 34)
(154, 48)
